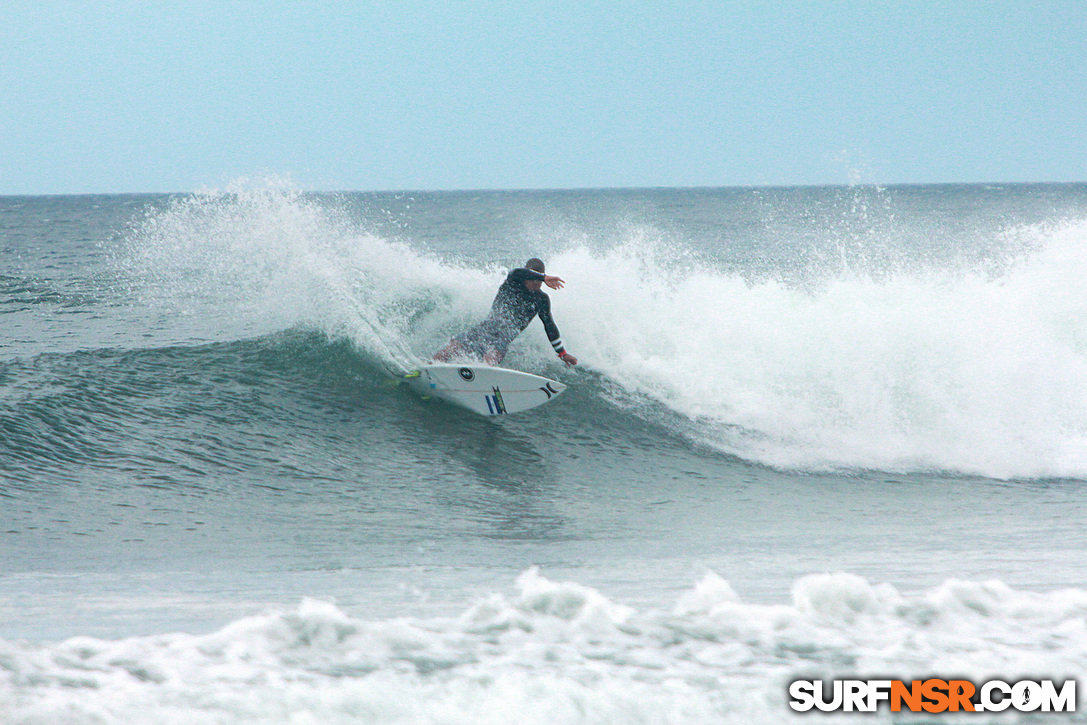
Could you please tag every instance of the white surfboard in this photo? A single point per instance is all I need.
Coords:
(483, 389)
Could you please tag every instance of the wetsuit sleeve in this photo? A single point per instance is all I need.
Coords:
(543, 309)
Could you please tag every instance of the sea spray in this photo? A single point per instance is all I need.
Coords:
(254, 259)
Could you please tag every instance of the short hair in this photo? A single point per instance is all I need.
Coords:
(536, 265)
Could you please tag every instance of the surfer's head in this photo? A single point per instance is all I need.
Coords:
(536, 265)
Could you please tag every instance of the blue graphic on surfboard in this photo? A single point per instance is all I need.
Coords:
(483, 389)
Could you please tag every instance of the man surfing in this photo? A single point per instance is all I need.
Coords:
(519, 299)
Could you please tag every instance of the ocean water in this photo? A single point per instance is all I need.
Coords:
(816, 432)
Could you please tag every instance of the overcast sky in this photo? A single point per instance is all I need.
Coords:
(173, 96)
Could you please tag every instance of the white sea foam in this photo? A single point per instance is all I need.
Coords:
(958, 370)
(550, 653)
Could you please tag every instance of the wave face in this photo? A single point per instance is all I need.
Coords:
(813, 330)
(551, 652)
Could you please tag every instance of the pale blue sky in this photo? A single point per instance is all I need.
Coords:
(173, 96)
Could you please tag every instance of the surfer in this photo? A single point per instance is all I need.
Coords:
(519, 299)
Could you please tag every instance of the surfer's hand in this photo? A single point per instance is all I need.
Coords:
(568, 358)
(553, 282)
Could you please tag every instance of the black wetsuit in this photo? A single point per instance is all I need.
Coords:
(514, 307)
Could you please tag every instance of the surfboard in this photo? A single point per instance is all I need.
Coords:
(483, 389)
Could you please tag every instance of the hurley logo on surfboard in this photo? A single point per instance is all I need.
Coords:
(549, 390)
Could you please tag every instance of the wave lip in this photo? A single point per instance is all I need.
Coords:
(551, 652)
